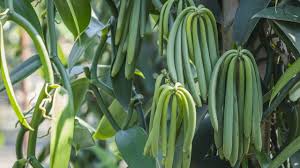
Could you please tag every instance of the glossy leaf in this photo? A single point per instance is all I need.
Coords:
(79, 89)
(287, 152)
(131, 144)
(24, 8)
(289, 33)
(75, 14)
(22, 71)
(243, 23)
(283, 13)
(62, 128)
(86, 39)
(285, 78)
(294, 93)
(295, 160)
(104, 129)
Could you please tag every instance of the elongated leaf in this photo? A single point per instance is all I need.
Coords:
(62, 129)
(24, 8)
(104, 129)
(285, 78)
(289, 33)
(287, 152)
(131, 144)
(76, 14)
(86, 39)
(294, 93)
(79, 88)
(23, 70)
(284, 13)
(243, 23)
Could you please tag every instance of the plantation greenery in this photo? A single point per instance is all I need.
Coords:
(161, 83)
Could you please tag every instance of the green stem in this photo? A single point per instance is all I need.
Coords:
(140, 112)
(19, 143)
(103, 108)
(39, 44)
(35, 163)
(94, 67)
(112, 7)
(37, 118)
(10, 4)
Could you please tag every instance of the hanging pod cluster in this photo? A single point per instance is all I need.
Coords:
(193, 47)
(163, 136)
(130, 29)
(235, 104)
(165, 18)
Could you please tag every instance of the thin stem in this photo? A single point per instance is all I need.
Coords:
(140, 112)
(129, 115)
(35, 163)
(103, 108)
(39, 44)
(19, 143)
(10, 4)
(51, 25)
(112, 7)
(36, 120)
(94, 67)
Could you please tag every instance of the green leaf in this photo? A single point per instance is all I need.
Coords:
(243, 22)
(122, 88)
(24, 8)
(131, 144)
(289, 33)
(295, 160)
(283, 13)
(76, 14)
(62, 127)
(285, 78)
(262, 159)
(23, 70)
(82, 137)
(104, 129)
(294, 93)
(86, 39)
(287, 152)
(79, 89)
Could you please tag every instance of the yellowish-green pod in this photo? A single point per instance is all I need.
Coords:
(172, 134)
(212, 103)
(8, 85)
(155, 99)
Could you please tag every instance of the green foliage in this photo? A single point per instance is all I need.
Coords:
(237, 110)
